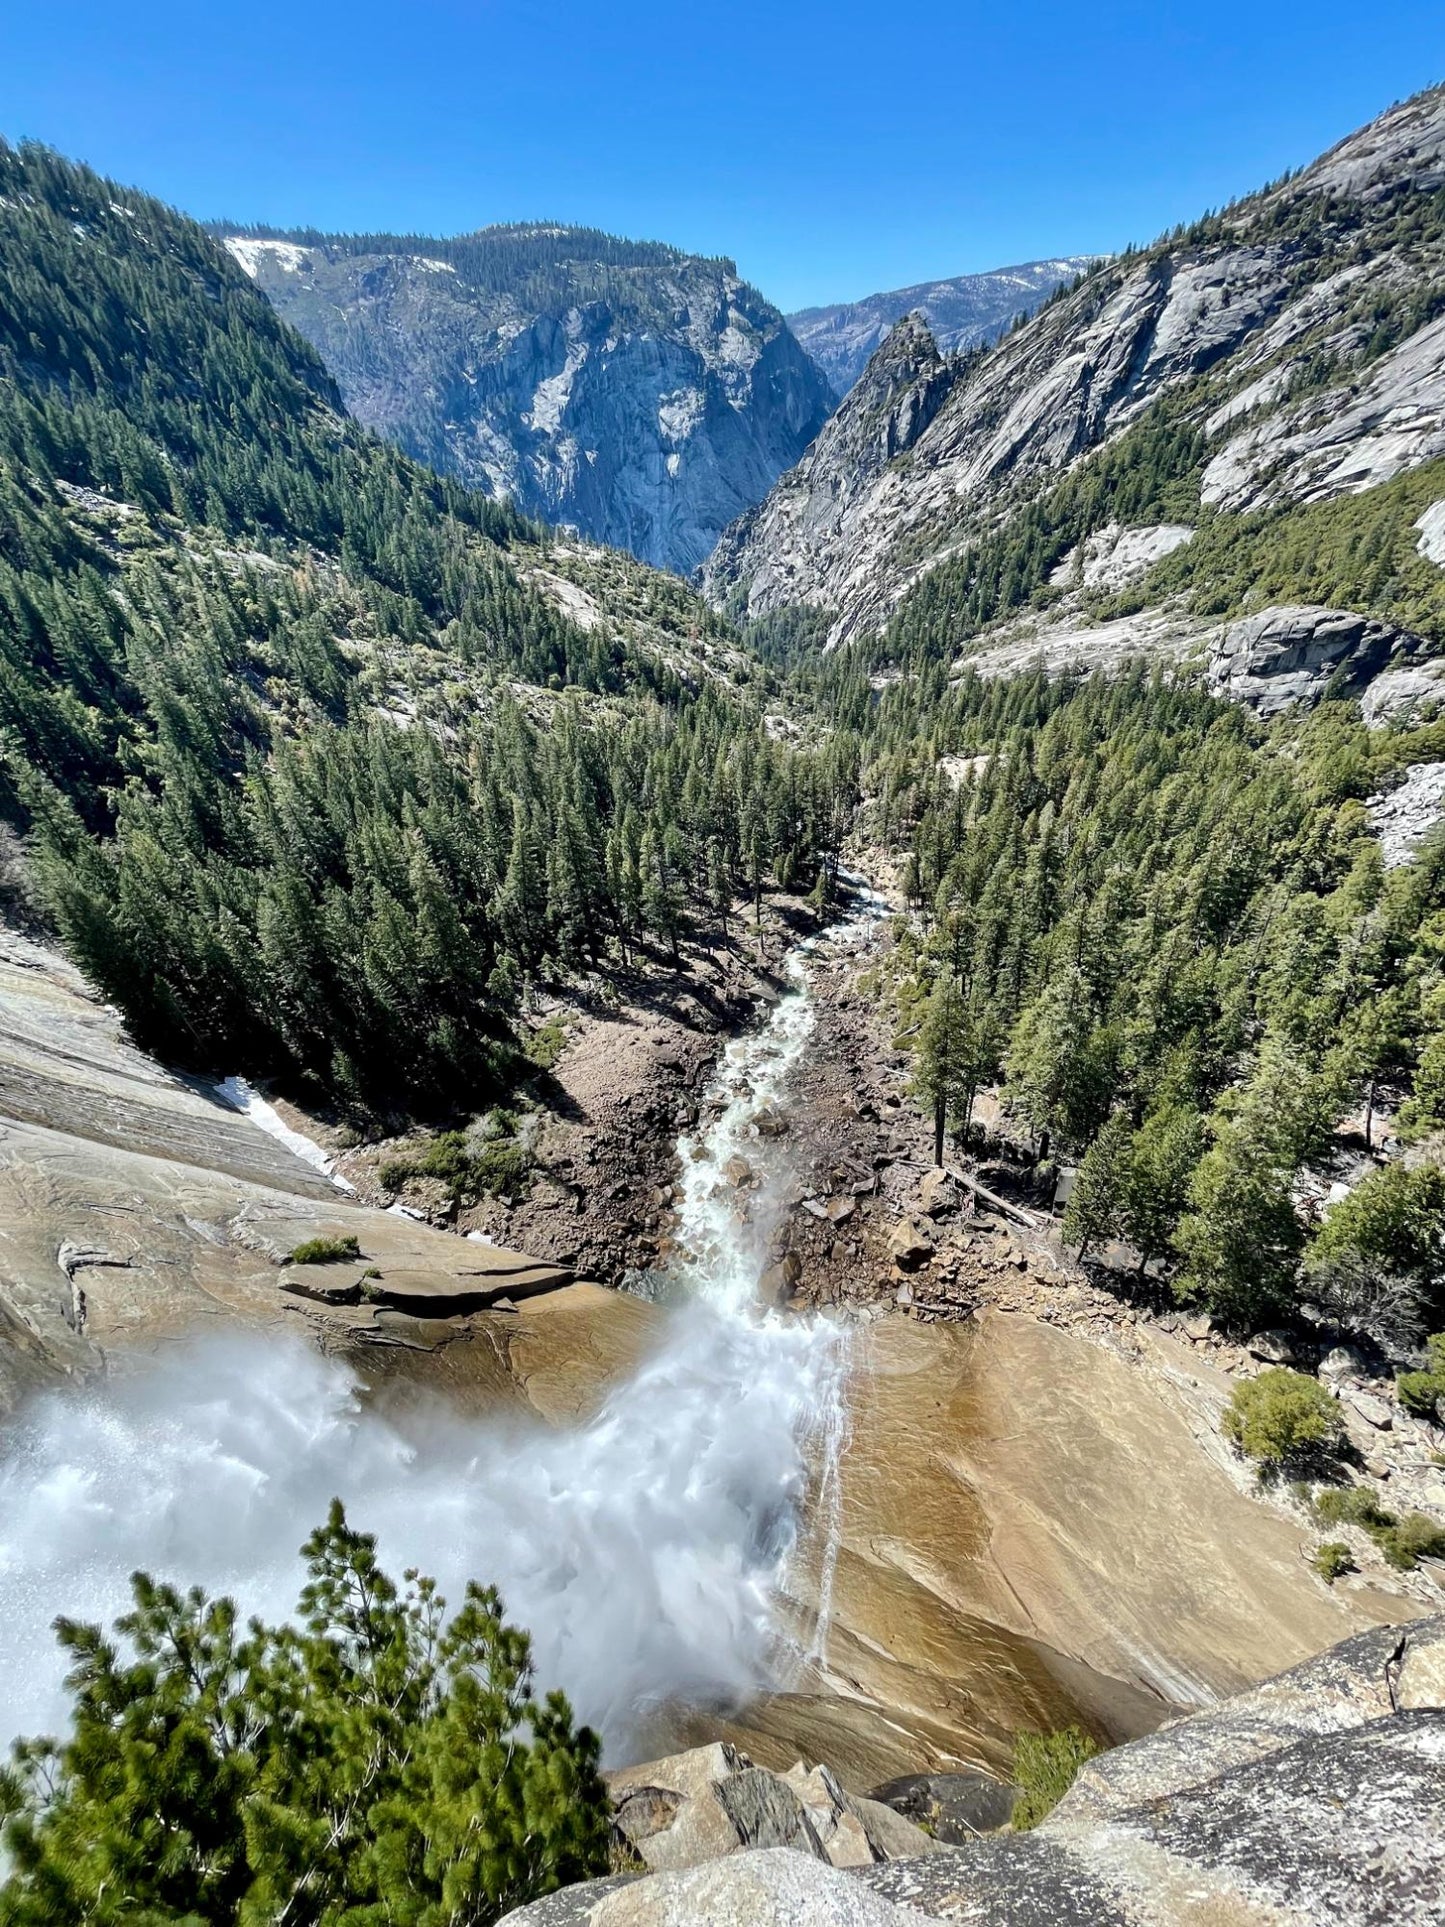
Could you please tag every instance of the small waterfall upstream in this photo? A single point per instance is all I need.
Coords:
(644, 1548)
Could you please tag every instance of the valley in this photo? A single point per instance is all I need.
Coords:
(862, 1136)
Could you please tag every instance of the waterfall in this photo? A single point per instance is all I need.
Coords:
(643, 1548)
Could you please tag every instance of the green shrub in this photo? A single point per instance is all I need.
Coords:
(325, 1251)
(467, 1171)
(1423, 1393)
(546, 1044)
(1282, 1417)
(1404, 1542)
(1352, 1505)
(1045, 1767)
(1420, 1392)
(1332, 1560)
(1413, 1539)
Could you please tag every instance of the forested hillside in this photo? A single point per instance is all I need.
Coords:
(1168, 937)
(314, 770)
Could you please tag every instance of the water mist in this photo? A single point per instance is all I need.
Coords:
(642, 1548)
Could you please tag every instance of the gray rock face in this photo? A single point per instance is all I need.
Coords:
(1401, 695)
(956, 1807)
(1404, 817)
(790, 548)
(1291, 655)
(1342, 1828)
(1432, 534)
(1259, 327)
(1318, 1797)
(646, 397)
(697, 1806)
(966, 311)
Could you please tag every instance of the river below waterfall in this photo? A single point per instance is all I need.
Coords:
(645, 1547)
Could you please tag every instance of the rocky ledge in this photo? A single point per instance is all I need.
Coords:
(1318, 1796)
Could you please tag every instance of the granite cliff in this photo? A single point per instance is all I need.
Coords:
(1237, 378)
(645, 396)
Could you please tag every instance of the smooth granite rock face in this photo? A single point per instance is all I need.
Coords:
(1291, 656)
(1341, 1828)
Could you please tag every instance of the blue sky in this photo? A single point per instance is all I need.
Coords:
(831, 149)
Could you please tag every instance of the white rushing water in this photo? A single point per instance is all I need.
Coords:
(642, 1548)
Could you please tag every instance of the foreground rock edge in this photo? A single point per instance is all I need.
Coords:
(1319, 1795)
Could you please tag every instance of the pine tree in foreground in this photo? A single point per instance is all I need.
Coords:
(373, 1762)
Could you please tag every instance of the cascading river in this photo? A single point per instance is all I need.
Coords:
(643, 1548)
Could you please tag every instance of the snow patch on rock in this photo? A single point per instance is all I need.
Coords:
(251, 253)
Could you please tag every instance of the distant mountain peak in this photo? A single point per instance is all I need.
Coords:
(964, 311)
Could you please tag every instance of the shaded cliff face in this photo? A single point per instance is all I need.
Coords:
(644, 396)
(965, 311)
(1288, 351)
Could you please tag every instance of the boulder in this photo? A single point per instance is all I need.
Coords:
(1340, 1828)
(937, 1194)
(1343, 1362)
(852, 1831)
(1315, 1797)
(1374, 1411)
(766, 1812)
(1291, 654)
(738, 1172)
(699, 1827)
(1274, 1347)
(780, 1281)
(769, 1888)
(713, 1801)
(955, 1807)
(770, 1122)
(910, 1244)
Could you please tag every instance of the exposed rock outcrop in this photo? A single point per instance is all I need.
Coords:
(136, 1203)
(793, 547)
(1318, 1797)
(1260, 328)
(697, 1806)
(1285, 657)
(1405, 816)
(645, 396)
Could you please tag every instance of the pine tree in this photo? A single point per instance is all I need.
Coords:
(371, 1761)
(1095, 1209)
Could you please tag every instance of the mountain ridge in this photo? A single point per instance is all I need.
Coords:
(1284, 351)
(640, 394)
(961, 311)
